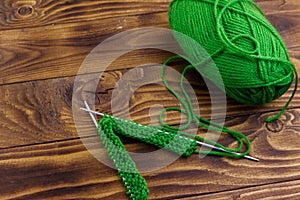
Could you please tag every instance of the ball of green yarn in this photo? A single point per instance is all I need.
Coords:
(248, 51)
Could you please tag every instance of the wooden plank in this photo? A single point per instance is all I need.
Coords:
(30, 109)
(41, 111)
(285, 190)
(41, 155)
(65, 169)
(59, 50)
(53, 41)
(28, 14)
(55, 38)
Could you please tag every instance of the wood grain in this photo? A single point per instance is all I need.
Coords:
(43, 156)
(32, 110)
(36, 13)
(284, 190)
(59, 50)
(41, 111)
(66, 170)
(56, 37)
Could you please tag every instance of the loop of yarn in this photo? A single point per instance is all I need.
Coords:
(188, 110)
(248, 51)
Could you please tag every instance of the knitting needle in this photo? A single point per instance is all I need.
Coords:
(91, 112)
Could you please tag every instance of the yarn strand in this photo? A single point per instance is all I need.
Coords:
(288, 102)
(189, 111)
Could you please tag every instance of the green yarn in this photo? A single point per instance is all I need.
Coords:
(155, 136)
(248, 51)
(173, 140)
(135, 184)
(252, 60)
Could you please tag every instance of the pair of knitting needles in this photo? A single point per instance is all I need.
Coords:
(93, 113)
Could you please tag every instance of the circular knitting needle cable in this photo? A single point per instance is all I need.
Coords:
(91, 113)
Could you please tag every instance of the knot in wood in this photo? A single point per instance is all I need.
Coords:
(275, 126)
(25, 10)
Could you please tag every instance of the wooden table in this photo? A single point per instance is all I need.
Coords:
(44, 42)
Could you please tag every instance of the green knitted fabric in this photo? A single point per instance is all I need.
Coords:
(253, 62)
(248, 51)
(177, 141)
(135, 184)
(155, 135)
(172, 139)
(166, 137)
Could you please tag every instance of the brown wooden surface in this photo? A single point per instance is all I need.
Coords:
(43, 44)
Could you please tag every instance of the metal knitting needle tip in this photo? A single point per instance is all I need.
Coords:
(220, 149)
(91, 112)
(252, 158)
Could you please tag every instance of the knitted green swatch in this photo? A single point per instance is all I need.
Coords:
(176, 141)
